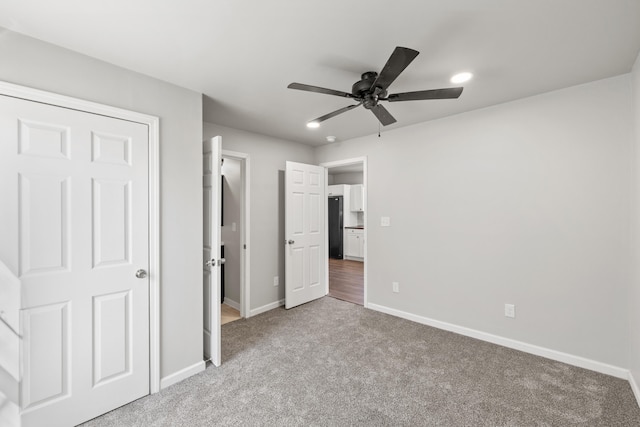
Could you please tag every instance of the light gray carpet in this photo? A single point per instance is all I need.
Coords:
(332, 363)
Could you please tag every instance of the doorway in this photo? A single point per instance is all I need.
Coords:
(234, 234)
(233, 228)
(346, 229)
(214, 246)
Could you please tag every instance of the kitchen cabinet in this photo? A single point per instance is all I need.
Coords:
(338, 190)
(357, 198)
(354, 244)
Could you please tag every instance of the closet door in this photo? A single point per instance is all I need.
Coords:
(75, 230)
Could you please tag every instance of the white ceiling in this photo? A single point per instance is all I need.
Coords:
(242, 54)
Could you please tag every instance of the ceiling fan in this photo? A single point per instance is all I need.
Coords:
(372, 88)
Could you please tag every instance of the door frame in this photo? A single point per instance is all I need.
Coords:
(346, 162)
(153, 125)
(245, 227)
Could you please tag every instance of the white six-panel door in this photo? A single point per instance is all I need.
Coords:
(305, 254)
(211, 280)
(74, 227)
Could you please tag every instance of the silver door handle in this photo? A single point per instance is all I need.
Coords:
(212, 262)
(291, 242)
(141, 274)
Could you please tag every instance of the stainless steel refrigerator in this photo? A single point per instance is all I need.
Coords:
(335, 227)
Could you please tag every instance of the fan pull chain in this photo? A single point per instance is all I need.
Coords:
(378, 129)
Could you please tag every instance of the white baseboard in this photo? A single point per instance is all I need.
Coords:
(559, 356)
(182, 374)
(634, 387)
(266, 307)
(231, 303)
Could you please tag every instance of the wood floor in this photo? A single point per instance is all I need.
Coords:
(346, 280)
(228, 314)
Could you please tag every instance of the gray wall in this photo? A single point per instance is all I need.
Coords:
(268, 156)
(526, 203)
(231, 208)
(29, 62)
(346, 178)
(634, 296)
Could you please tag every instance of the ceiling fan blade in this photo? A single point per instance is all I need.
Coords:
(383, 115)
(317, 89)
(335, 113)
(450, 93)
(398, 61)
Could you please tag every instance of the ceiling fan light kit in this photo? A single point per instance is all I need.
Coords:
(372, 88)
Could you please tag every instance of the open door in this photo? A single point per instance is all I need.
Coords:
(211, 250)
(305, 253)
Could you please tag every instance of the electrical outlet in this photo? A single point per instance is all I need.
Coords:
(510, 310)
(395, 286)
(276, 280)
(234, 226)
(385, 221)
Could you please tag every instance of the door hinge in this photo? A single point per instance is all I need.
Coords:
(244, 246)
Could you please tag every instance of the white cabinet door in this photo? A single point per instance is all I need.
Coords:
(352, 244)
(357, 198)
(75, 229)
(360, 243)
(335, 190)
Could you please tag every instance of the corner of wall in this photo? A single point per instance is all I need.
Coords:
(634, 287)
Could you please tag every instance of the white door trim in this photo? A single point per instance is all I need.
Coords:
(153, 123)
(346, 162)
(245, 230)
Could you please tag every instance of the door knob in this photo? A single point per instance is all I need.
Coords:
(291, 242)
(141, 274)
(212, 262)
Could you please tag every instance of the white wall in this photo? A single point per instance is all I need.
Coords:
(29, 62)
(231, 207)
(634, 296)
(526, 203)
(268, 156)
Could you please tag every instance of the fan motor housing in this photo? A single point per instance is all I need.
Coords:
(361, 87)
(363, 90)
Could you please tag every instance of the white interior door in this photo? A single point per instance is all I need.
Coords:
(305, 256)
(74, 223)
(211, 250)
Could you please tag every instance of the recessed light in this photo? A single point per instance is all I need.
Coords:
(331, 138)
(313, 125)
(461, 77)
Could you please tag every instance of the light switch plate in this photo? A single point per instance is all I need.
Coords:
(510, 310)
(385, 221)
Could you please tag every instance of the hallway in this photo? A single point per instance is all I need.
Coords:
(346, 280)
